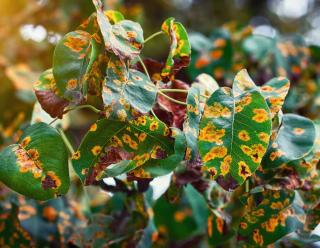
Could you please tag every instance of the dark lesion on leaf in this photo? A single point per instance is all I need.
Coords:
(49, 183)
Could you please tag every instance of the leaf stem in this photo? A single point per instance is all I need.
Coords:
(247, 186)
(174, 90)
(155, 116)
(144, 67)
(152, 36)
(171, 99)
(66, 141)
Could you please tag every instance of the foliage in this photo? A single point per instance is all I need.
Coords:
(242, 173)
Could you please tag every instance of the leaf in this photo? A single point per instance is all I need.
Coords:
(124, 38)
(48, 95)
(274, 91)
(294, 140)
(191, 124)
(180, 49)
(12, 233)
(234, 135)
(143, 138)
(126, 92)
(37, 166)
(207, 84)
(278, 214)
(75, 61)
(161, 167)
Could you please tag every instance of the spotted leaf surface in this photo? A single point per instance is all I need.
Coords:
(234, 135)
(37, 166)
(143, 139)
(124, 38)
(294, 140)
(274, 91)
(191, 124)
(12, 233)
(180, 49)
(48, 95)
(126, 92)
(160, 167)
(278, 214)
(76, 62)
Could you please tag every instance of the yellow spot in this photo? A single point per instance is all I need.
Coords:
(298, 131)
(276, 154)
(33, 154)
(96, 150)
(259, 212)
(257, 237)
(225, 165)
(142, 137)
(133, 145)
(126, 138)
(141, 159)
(72, 84)
(93, 127)
(179, 216)
(243, 135)
(76, 155)
(220, 224)
(116, 141)
(243, 225)
(211, 134)
(215, 152)
(154, 126)
(26, 141)
(261, 115)
(264, 137)
(244, 170)
(166, 131)
(216, 110)
(49, 213)
(141, 121)
(76, 44)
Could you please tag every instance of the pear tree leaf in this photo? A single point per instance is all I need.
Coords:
(37, 166)
(124, 38)
(294, 140)
(180, 49)
(126, 92)
(143, 139)
(234, 135)
(48, 95)
(278, 214)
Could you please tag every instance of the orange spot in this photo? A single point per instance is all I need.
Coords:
(76, 155)
(244, 170)
(243, 135)
(216, 54)
(298, 131)
(93, 127)
(96, 150)
(25, 141)
(261, 115)
(215, 152)
(49, 213)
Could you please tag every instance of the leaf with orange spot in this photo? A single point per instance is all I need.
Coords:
(229, 142)
(294, 140)
(273, 215)
(139, 140)
(180, 49)
(78, 65)
(37, 166)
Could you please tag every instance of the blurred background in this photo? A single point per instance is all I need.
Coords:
(29, 30)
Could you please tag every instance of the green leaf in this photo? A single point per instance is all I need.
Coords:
(127, 92)
(76, 62)
(294, 140)
(12, 233)
(37, 166)
(274, 91)
(48, 95)
(191, 124)
(278, 214)
(124, 38)
(161, 167)
(257, 46)
(180, 49)
(142, 139)
(234, 135)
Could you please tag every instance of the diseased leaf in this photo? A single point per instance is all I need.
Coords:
(76, 62)
(234, 135)
(180, 49)
(37, 166)
(143, 139)
(191, 124)
(278, 214)
(294, 140)
(124, 38)
(126, 92)
(12, 233)
(48, 95)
